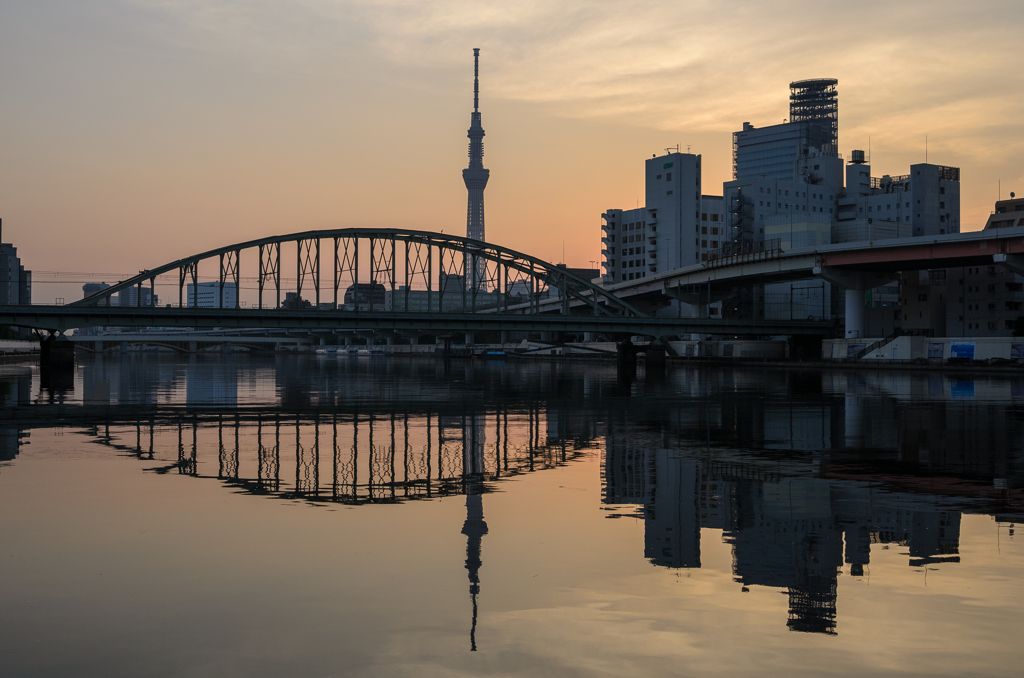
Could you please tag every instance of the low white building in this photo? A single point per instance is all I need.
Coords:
(206, 296)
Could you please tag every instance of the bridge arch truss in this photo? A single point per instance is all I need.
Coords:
(353, 269)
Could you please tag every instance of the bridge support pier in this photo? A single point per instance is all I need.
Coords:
(504, 337)
(855, 283)
(655, 358)
(854, 314)
(57, 364)
(193, 346)
(57, 352)
(470, 338)
(625, 359)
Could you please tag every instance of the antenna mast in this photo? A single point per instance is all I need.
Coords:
(476, 79)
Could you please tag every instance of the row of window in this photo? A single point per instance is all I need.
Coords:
(796, 194)
(714, 217)
(992, 325)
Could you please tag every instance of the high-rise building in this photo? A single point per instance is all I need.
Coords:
(15, 281)
(475, 176)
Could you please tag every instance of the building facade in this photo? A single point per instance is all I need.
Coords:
(205, 295)
(15, 280)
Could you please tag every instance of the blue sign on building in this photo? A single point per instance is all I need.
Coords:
(965, 351)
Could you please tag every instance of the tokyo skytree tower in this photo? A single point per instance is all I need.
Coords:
(475, 175)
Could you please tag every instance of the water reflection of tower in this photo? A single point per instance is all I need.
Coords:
(474, 528)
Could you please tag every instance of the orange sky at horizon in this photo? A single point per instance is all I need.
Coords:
(140, 131)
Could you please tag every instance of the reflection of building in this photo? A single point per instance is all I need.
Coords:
(15, 389)
(213, 382)
(785, 532)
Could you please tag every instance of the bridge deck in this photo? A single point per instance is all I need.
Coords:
(63, 318)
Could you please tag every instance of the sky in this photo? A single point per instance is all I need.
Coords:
(139, 131)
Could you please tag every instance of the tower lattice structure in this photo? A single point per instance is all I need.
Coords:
(475, 176)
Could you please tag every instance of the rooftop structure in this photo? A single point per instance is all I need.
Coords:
(816, 101)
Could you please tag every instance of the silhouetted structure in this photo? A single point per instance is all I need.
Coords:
(475, 176)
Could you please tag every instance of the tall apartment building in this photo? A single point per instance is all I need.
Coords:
(15, 281)
(665, 233)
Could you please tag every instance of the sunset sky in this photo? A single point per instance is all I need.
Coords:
(139, 131)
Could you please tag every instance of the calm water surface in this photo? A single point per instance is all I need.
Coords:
(232, 516)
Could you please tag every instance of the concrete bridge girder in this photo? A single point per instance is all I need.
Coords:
(1012, 262)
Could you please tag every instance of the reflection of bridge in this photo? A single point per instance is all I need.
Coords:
(803, 476)
(354, 458)
(376, 279)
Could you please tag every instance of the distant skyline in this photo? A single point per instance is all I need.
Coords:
(138, 131)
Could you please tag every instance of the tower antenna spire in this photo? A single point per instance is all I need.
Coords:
(476, 79)
(475, 177)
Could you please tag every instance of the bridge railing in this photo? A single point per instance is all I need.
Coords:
(730, 252)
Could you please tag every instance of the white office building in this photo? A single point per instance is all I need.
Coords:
(206, 296)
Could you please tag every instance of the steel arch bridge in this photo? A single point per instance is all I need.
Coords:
(423, 271)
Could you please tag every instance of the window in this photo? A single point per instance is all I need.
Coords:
(714, 244)
(704, 230)
(703, 243)
(942, 190)
(869, 208)
(760, 203)
(714, 217)
(703, 216)
(668, 177)
(907, 205)
(769, 203)
(991, 307)
(888, 207)
(659, 176)
(761, 190)
(668, 193)
(714, 230)
(942, 205)
(787, 192)
(922, 297)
